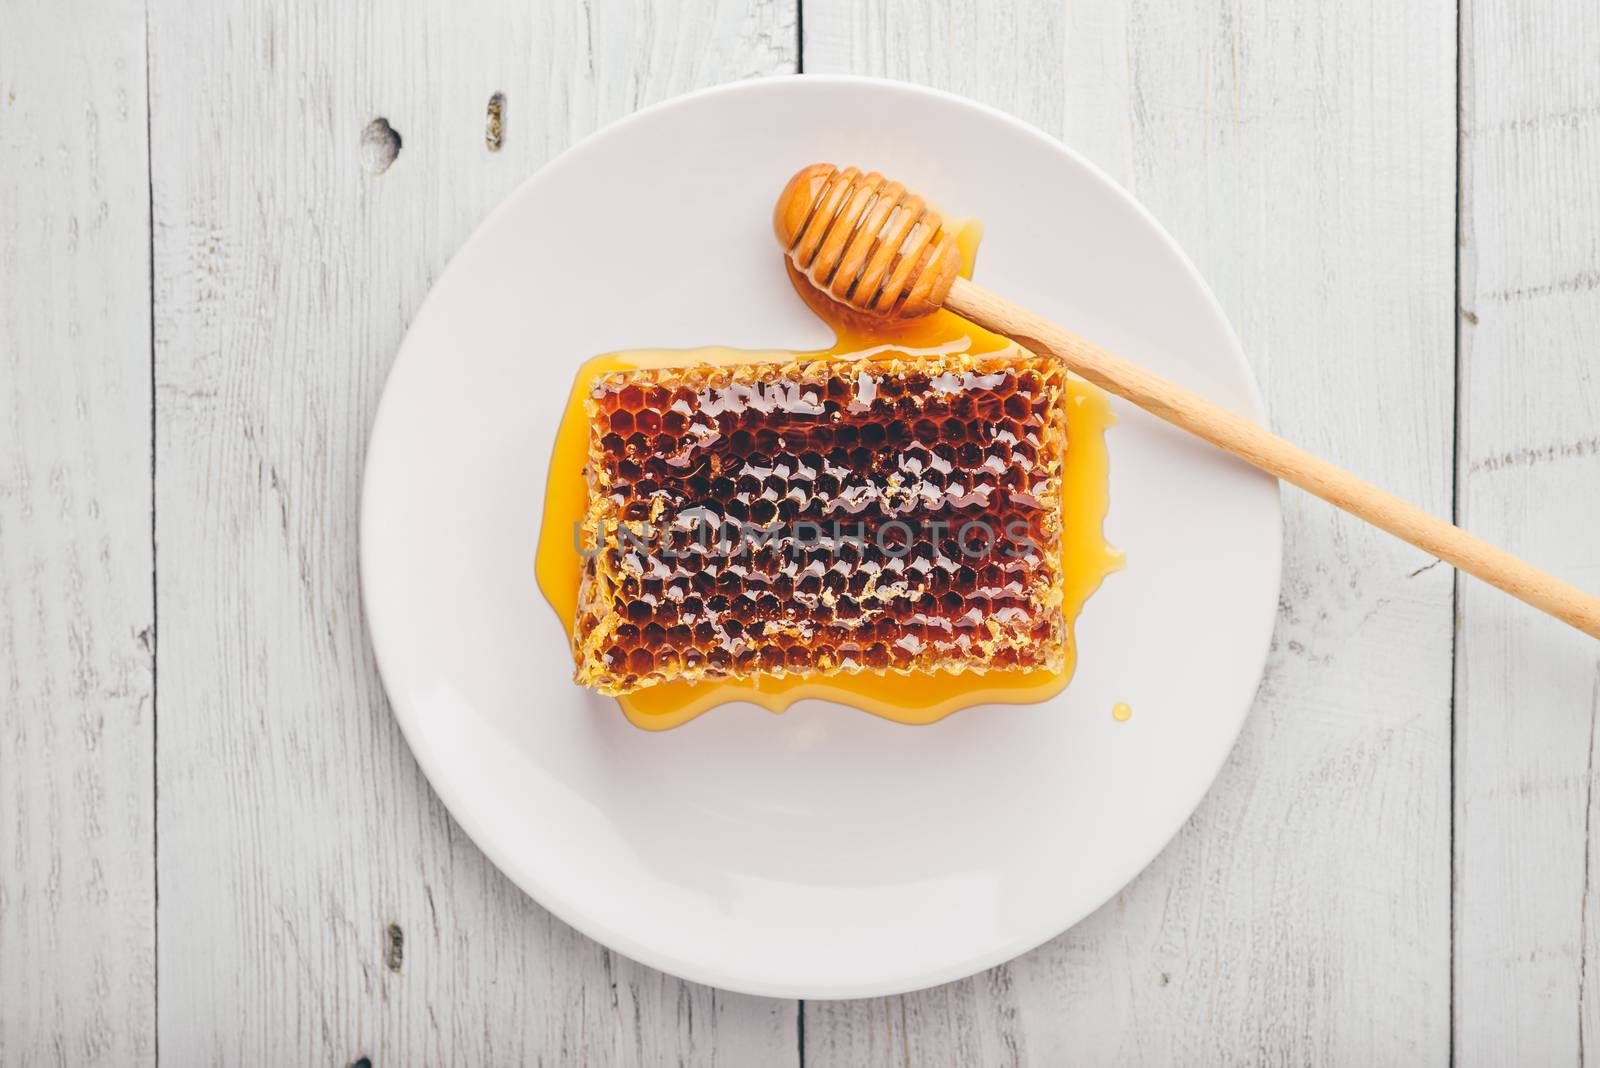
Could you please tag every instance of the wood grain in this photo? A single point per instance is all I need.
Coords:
(1527, 924)
(318, 906)
(77, 639)
(317, 903)
(1304, 157)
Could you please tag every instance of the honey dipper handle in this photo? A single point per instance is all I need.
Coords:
(1276, 456)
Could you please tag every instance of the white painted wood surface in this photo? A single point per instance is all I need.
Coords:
(77, 846)
(1527, 908)
(297, 834)
(1303, 155)
(316, 904)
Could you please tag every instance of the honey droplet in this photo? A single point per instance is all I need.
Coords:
(1121, 712)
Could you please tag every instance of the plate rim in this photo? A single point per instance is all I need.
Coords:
(518, 873)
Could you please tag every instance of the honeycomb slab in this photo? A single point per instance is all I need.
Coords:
(888, 512)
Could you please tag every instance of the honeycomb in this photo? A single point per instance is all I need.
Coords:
(889, 512)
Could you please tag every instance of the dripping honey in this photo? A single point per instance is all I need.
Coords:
(917, 698)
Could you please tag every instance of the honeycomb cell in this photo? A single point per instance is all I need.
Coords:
(843, 514)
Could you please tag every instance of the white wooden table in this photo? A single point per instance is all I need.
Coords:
(215, 847)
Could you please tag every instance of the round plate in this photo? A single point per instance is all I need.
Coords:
(821, 853)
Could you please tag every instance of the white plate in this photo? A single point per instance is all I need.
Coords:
(823, 852)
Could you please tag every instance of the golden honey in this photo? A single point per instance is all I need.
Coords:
(1012, 670)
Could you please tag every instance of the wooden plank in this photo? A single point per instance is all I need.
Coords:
(1304, 156)
(1528, 688)
(317, 903)
(77, 811)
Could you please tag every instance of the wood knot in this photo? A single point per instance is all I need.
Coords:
(380, 144)
(494, 129)
(394, 953)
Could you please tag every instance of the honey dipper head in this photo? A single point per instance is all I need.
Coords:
(867, 242)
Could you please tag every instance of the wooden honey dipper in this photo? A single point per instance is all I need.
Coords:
(874, 246)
